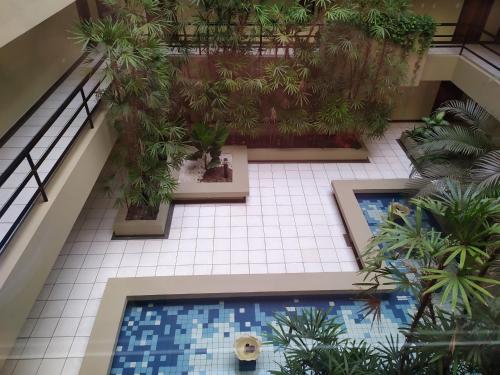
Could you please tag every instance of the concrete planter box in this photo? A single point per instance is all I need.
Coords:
(408, 146)
(307, 154)
(237, 190)
(123, 227)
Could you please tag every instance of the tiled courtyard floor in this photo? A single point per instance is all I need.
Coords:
(290, 223)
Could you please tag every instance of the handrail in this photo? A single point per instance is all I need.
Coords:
(25, 154)
(39, 135)
(464, 45)
(258, 38)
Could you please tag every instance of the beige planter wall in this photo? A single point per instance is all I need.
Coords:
(237, 189)
(124, 227)
(416, 65)
(32, 63)
(28, 259)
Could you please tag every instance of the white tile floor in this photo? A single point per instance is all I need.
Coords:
(290, 223)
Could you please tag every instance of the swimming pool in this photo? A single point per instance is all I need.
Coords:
(196, 337)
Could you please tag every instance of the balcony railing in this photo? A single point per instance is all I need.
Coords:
(24, 178)
(262, 42)
(465, 46)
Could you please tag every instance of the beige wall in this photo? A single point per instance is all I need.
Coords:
(469, 77)
(415, 102)
(493, 21)
(480, 86)
(440, 67)
(19, 16)
(30, 64)
(29, 257)
(443, 11)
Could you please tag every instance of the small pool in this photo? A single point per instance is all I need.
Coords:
(196, 337)
(376, 206)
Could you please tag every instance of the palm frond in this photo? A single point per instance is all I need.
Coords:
(459, 140)
(467, 111)
(486, 170)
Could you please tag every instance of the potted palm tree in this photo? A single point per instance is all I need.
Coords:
(213, 171)
(150, 146)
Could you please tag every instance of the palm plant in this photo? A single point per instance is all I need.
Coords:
(466, 344)
(460, 149)
(150, 146)
(452, 268)
(313, 343)
(208, 141)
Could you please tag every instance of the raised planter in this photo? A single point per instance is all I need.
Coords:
(307, 154)
(408, 146)
(236, 190)
(156, 227)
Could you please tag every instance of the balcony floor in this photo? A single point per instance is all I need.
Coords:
(290, 223)
(15, 145)
(478, 49)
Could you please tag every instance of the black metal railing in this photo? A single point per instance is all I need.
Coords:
(263, 42)
(464, 43)
(35, 165)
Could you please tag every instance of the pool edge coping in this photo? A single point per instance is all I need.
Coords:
(119, 291)
(357, 227)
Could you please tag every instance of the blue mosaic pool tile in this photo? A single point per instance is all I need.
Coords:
(376, 206)
(197, 338)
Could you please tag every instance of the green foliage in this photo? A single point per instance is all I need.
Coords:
(390, 20)
(450, 273)
(450, 261)
(334, 117)
(412, 32)
(463, 343)
(208, 141)
(313, 343)
(460, 149)
(421, 132)
(340, 77)
(140, 76)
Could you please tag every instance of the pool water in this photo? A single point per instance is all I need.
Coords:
(376, 206)
(196, 337)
